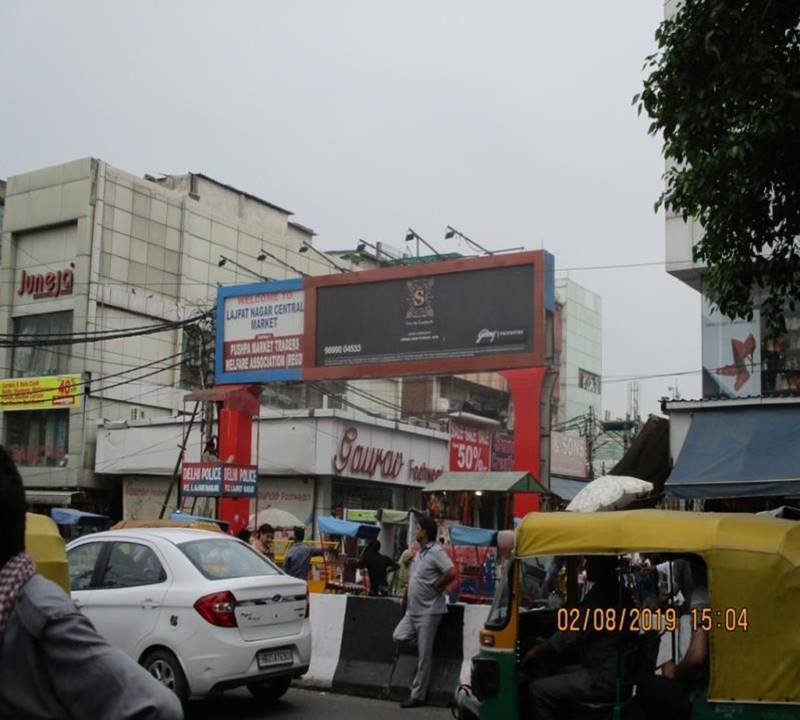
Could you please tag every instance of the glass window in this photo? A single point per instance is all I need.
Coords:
(224, 559)
(82, 560)
(130, 565)
(38, 437)
(501, 605)
(542, 582)
(37, 361)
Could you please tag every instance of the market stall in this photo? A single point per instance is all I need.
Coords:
(479, 499)
(340, 574)
(473, 552)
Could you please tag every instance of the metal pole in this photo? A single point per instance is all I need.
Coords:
(178, 464)
(258, 476)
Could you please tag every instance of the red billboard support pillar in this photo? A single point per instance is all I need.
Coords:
(526, 386)
(235, 446)
(237, 406)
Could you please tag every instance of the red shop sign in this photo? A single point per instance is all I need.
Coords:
(470, 448)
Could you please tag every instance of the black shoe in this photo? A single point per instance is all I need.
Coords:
(411, 703)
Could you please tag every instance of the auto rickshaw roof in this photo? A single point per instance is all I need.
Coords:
(753, 567)
(567, 533)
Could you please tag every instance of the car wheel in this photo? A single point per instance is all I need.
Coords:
(270, 690)
(165, 668)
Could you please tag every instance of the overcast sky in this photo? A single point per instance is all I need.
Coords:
(511, 121)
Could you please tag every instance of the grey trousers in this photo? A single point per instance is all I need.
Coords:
(421, 628)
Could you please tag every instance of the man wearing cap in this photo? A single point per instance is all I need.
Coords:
(431, 573)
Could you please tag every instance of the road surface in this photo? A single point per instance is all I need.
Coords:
(306, 705)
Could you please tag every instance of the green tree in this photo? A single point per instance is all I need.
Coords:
(723, 90)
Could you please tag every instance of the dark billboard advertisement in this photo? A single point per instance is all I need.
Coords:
(439, 316)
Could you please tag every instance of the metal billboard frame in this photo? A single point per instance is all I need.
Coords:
(542, 301)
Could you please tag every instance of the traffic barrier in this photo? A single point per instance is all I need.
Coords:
(367, 656)
(352, 650)
(448, 655)
(474, 620)
(327, 625)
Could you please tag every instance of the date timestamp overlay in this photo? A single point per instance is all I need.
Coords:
(635, 620)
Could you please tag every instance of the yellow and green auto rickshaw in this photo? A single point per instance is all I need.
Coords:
(43, 542)
(753, 575)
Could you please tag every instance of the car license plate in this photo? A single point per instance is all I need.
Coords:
(271, 658)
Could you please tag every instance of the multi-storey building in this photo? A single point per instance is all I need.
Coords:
(92, 252)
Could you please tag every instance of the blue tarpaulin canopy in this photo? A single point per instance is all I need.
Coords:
(565, 488)
(334, 526)
(742, 452)
(464, 535)
(71, 516)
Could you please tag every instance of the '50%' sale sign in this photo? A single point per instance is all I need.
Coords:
(470, 448)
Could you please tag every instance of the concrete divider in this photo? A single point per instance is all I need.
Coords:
(448, 656)
(367, 658)
(474, 620)
(353, 652)
(327, 625)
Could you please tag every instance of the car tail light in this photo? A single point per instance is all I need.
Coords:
(218, 609)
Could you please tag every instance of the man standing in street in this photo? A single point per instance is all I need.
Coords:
(376, 565)
(298, 557)
(431, 573)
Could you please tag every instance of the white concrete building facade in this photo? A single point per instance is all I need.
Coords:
(134, 252)
(309, 463)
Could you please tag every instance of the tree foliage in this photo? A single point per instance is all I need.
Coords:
(723, 90)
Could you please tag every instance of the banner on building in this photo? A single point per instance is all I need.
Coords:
(218, 480)
(731, 354)
(502, 452)
(41, 393)
(369, 516)
(470, 448)
(567, 455)
(261, 335)
(450, 316)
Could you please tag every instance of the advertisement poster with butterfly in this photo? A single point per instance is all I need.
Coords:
(731, 354)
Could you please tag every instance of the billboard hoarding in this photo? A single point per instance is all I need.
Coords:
(41, 393)
(502, 452)
(457, 314)
(470, 448)
(567, 455)
(454, 316)
(731, 354)
(260, 332)
(446, 317)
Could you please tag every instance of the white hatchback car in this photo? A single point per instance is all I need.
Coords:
(202, 611)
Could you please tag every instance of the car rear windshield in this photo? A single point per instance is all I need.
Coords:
(224, 559)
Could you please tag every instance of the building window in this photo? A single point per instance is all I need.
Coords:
(359, 496)
(38, 361)
(38, 437)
